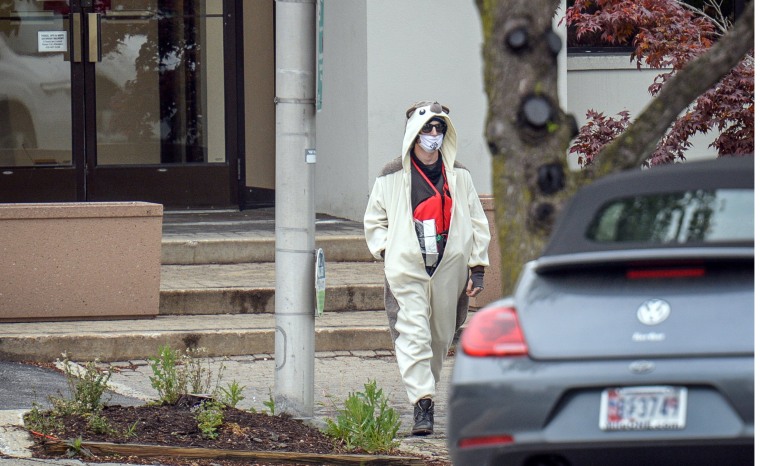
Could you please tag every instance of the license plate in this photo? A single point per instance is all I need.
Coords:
(643, 408)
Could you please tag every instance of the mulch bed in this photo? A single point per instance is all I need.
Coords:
(176, 426)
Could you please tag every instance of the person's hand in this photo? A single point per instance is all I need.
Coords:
(475, 284)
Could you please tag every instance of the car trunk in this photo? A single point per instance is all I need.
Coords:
(650, 304)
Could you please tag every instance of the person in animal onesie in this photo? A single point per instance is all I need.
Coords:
(425, 220)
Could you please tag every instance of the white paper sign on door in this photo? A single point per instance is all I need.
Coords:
(52, 41)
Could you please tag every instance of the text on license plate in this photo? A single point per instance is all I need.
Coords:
(643, 408)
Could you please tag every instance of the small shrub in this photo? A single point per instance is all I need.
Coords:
(165, 379)
(366, 422)
(175, 375)
(210, 415)
(196, 374)
(63, 406)
(86, 387)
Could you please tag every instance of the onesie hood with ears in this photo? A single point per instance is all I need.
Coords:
(416, 119)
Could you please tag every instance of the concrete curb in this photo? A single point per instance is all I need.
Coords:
(14, 440)
(227, 335)
(126, 346)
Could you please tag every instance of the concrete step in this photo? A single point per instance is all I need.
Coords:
(215, 250)
(228, 237)
(249, 288)
(217, 291)
(221, 335)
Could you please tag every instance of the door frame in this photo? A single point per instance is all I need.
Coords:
(175, 186)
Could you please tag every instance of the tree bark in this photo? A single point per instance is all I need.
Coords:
(520, 66)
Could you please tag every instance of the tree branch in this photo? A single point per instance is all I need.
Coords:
(635, 145)
(720, 23)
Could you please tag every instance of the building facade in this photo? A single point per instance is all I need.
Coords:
(173, 101)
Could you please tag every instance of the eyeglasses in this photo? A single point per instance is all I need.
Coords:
(427, 128)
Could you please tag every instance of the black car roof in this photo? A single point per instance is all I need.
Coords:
(569, 234)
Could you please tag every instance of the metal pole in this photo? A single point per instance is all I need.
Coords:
(294, 207)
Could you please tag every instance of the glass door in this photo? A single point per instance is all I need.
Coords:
(37, 160)
(159, 103)
(127, 103)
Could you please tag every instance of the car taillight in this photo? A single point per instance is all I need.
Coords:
(487, 441)
(494, 331)
(676, 272)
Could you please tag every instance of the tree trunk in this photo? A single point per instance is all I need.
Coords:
(527, 132)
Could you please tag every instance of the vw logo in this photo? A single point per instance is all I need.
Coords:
(653, 312)
(641, 367)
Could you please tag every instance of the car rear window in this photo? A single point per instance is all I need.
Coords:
(718, 215)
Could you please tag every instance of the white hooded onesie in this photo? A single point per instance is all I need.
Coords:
(424, 311)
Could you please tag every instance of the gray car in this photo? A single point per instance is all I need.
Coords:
(629, 341)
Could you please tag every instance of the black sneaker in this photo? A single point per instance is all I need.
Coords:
(423, 417)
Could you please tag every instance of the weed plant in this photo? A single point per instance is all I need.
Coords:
(270, 404)
(132, 431)
(86, 390)
(166, 378)
(86, 387)
(232, 395)
(176, 374)
(366, 422)
(210, 415)
(75, 448)
(42, 421)
(99, 423)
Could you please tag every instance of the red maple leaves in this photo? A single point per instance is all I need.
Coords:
(666, 35)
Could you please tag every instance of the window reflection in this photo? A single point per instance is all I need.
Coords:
(168, 109)
(159, 88)
(35, 85)
(691, 216)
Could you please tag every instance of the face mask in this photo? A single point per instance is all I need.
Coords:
(430, 143)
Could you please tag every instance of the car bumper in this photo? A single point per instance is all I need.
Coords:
(518, 410)
(693, 453)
